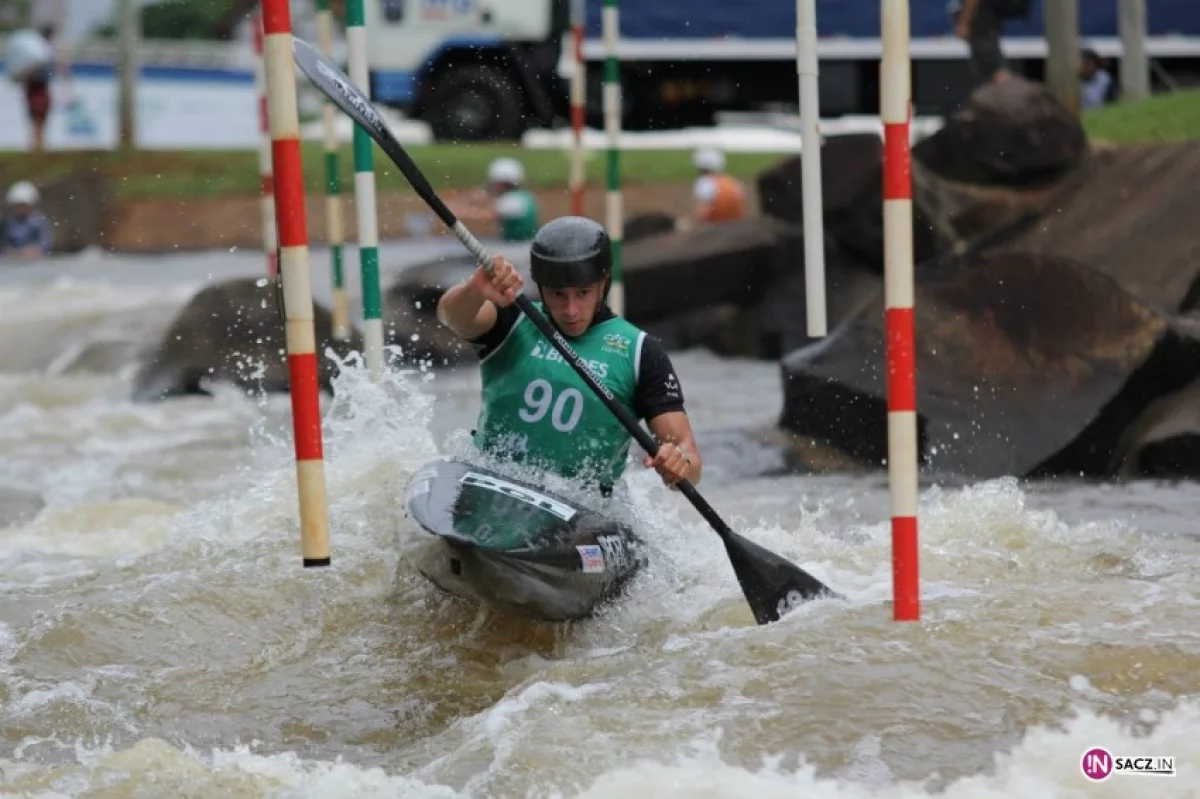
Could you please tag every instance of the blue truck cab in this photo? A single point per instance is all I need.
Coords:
(490, 69)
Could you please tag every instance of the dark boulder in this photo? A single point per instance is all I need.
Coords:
(949, 216)
(1012, 133)
(1130, 212)
(723, 329)
(232, 332)
(649, 224)
(848, 164)
(410, 310)
(1027, 365)
(781, 318)
(966, 216)
(1164, 442)
(691, 270)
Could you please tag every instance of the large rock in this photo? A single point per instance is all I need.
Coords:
(852, 200)
(1026, 365)
(1130, 212)
(858, 225)
(232, 332)
(692, 270)
(966, 216)
(1012, 133)
(410, 310)
(645, 225)
(781, 317)
(848, 164)
(949, 216)
(1164, 442)
(723, 329)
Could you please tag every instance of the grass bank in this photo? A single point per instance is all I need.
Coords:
(153, 174)
(1162, 118)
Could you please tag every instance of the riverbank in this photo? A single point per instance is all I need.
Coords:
(157, 201)
(161, 201)
(187, 174)
(199, 223)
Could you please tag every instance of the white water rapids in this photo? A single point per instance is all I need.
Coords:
(158, 636)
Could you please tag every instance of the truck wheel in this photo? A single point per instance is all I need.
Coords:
(475, 103)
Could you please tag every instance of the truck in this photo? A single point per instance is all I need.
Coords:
(492, 69)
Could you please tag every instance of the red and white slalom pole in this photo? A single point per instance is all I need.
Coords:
(896, 113)
(578, 109)
(266, 202)
(297, 282)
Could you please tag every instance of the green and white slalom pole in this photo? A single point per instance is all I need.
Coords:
(333, 185)
(364, 198)
(614, 212)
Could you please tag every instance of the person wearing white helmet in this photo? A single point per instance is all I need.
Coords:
(505, 202)
(24, 230)
(718, 196)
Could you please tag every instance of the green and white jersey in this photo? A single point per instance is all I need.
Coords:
(537, 410)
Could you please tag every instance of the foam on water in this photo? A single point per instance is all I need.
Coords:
(1046, 763)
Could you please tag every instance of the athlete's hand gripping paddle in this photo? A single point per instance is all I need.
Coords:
(771, 584)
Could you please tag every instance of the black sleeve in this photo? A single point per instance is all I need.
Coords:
(658, 390)
(489, 341)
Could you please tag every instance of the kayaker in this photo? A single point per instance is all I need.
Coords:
(535, 408)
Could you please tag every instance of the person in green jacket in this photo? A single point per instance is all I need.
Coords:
(506, 202)
(536, 409)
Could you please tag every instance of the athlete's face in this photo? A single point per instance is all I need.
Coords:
(573, 308)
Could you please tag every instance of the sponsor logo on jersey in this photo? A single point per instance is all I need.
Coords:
(672, 387)
(615, 342)
(546, 352)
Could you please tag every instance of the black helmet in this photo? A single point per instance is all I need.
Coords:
(571, 251)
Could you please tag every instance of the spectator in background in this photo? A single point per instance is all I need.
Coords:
(505, 202)
(719, 197)
(24, 230)
(1095, 82)
(45, 60)
(979, 23)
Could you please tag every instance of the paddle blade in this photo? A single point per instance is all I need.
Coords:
(772, 585)
(338, 87)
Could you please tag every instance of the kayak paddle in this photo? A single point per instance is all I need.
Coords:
(772, 585)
